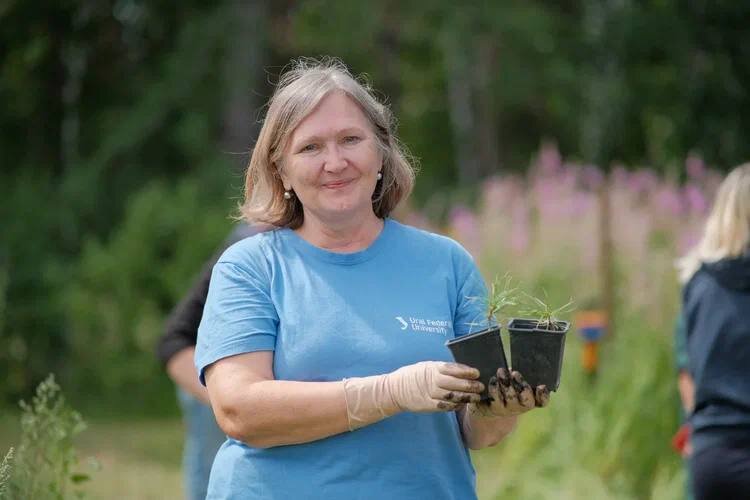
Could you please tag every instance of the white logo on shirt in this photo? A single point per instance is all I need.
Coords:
(438, 326)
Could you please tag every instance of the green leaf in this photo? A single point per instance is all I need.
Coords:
(80, 478)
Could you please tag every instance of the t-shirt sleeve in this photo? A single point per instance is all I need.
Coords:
(239, 316)
(471, 315)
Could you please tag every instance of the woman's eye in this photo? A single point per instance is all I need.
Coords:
(309, 147)
(352, 139)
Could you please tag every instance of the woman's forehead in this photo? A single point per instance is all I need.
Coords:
(334, 113)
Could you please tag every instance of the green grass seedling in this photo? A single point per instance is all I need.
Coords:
(501, 296)
(547, 318)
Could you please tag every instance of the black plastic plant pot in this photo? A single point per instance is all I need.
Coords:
(483, 351)
(537, 353)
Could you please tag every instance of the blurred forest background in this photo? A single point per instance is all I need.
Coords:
(125, 128)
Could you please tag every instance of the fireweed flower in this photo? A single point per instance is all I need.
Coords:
(550, 219)
(519, 234)
(695, 200)
(464, 226)
(669, 200)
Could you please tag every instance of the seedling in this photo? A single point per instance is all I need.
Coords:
(501, 296)
(547, 318)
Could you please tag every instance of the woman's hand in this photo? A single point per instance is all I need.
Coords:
(434, 386)
(428, 386)
(510, 395)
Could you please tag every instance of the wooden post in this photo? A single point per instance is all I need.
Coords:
(606, 259)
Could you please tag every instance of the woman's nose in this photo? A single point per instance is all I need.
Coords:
(335, 159)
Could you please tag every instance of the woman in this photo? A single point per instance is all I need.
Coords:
(312, 344)
(716, 312)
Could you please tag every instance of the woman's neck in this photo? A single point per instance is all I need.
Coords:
(344, 237)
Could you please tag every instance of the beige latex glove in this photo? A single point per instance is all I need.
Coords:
(510, 395)
(429, 386)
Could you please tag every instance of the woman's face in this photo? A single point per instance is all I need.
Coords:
(332, 161)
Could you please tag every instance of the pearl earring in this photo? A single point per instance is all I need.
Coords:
(380, 175)
(287, 195)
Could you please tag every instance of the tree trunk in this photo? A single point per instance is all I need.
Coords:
(606, 259)
(458, 76)
(244, 71)
(487, 135)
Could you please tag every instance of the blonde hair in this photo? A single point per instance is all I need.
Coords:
(727, 230)
(299, 91)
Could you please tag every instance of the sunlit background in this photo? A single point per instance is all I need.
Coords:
(576, 145)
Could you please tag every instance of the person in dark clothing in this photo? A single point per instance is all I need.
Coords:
(175, 350)
(716, 309)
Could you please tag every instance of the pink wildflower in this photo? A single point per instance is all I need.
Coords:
(466, 229)
(519, 234)
(668, 199)
(591, 177)
(695, 199)
(695, 166)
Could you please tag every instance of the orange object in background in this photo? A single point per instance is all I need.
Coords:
(591, 325)
(590, 358)
(592, 318)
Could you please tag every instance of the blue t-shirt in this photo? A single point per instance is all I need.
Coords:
(328, 316)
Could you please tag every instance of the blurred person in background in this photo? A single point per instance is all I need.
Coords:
(175, 349)
(716, 311)
(322, 391)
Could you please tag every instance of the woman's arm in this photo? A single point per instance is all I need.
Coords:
(252, 407)
(484, 431)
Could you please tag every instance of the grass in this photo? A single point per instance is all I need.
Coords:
(137, 459)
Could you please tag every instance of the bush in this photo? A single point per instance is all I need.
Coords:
(43, 465)
(5, 470)
(123, 288)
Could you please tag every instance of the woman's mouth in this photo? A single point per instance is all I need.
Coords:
(337, 184)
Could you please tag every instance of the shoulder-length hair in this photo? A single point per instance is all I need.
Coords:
(727, 230)
(299, 91)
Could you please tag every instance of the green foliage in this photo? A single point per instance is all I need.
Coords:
(31, 274)
(547, 317)
(6, 469)
(501, 296)
(126, 93)
(45, 462)
(122, 289)
(120, 96)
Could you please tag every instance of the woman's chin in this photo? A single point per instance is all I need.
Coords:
(342, 211)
